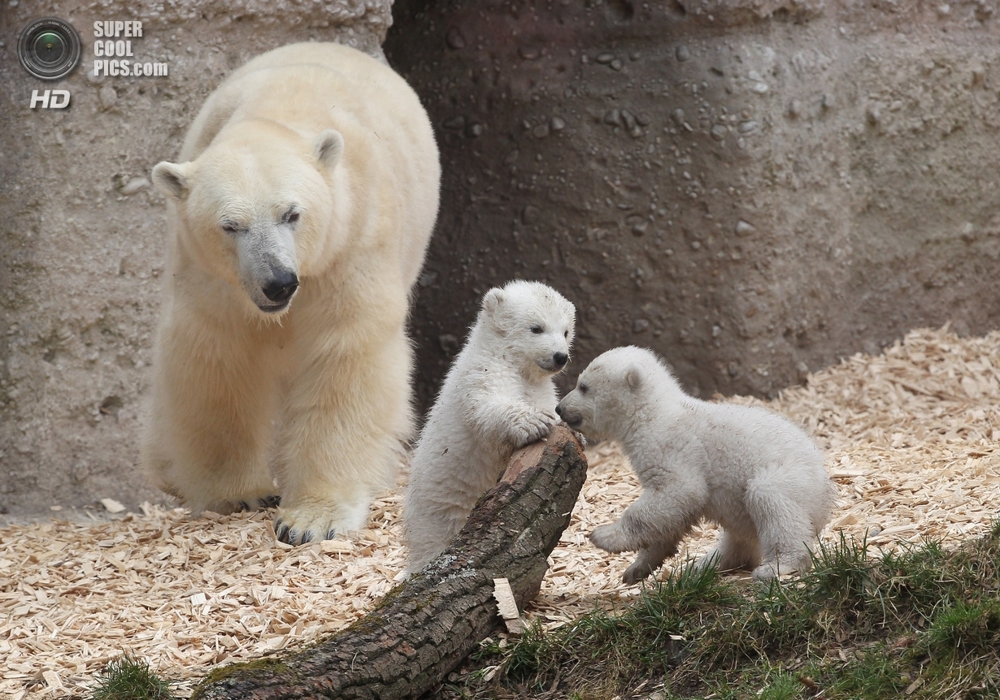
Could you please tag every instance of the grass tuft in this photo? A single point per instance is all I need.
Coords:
(612, 646)
(842, 576)
(964, 627)
(128, 678)
(876, 672)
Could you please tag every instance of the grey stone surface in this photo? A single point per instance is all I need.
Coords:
(82, 232)
(753, 189)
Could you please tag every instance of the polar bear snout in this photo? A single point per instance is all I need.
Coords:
(274, 288)
(554, 362)
(573, 419)
(282, 286)
(268, 271)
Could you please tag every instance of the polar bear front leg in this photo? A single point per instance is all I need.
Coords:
(529, 425)
(649, 560)
(507, 419)
(207, 438)
(344, 423)
(651, 522)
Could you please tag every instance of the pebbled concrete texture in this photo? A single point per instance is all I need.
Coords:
(752, 189)
(82, 231)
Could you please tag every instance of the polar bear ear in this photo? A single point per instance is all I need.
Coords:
(171, 179)
(328, 147)
(491, 307)
(492, 301)
(633, 378)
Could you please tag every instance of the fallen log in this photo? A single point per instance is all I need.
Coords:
(423, 628)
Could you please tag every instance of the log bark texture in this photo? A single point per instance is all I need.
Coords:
(423, 629)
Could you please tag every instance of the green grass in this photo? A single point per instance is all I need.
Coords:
(922, 622)
(128, 678)
(651, 632)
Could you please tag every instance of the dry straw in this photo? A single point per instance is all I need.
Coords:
(910, 436)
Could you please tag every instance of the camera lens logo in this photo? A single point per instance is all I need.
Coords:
(49, 48)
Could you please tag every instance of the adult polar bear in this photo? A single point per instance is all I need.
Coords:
(300, 214)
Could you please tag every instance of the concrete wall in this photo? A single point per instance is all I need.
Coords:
(753, 189)
(82, 231)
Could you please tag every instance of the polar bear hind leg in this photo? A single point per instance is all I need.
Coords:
(429, 534)
(784, 526)
(735, 550)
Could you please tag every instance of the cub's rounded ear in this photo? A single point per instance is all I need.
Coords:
(328, 147)
(493, 310)
(493, 300)
(633, 378)
(171, 179)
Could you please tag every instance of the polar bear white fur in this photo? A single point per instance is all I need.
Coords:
(750, 470)
(498, 396)
(300, 212)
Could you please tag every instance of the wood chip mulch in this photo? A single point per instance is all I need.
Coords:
(911, 438)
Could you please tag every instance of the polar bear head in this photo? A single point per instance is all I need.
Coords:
(534, 325)
(613, 388)
(255, 208)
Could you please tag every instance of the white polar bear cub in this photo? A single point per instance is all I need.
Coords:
(750, 470)
(498, 396)
(300, 212)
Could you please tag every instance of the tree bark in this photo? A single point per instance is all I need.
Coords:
(423, 629)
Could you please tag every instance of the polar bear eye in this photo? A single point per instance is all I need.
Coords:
(291, 216)
(230, 228)
(583, 388)
(536, 329)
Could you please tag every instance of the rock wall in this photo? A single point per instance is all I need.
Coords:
(82, 231)
(753, 189)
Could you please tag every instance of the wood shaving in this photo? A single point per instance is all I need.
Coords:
(910, 439)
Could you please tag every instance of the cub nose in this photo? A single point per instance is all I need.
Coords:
(560, 358)
(559, 410)
(282, 286)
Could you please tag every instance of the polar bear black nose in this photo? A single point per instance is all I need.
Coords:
(560, 359)
(281, 287)
(559, 410)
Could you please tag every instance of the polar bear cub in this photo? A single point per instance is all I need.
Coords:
(752, 471)
(498, 396)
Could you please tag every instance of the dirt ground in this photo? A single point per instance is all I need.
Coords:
(911, 440)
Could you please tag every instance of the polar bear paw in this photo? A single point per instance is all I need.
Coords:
(311, 522)
(262, 503)
(770, 569)
(638, 570)
(610, 538)
(238, 505)
(532, 427)
(712, 560)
